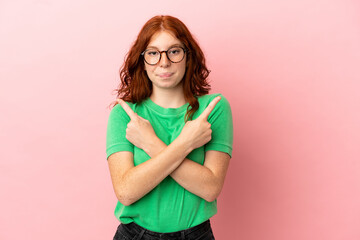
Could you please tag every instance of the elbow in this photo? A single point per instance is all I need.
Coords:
(124, 199)
(210, 199)
(125, 202)
(212, 196)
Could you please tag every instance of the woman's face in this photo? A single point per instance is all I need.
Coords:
(165, 74)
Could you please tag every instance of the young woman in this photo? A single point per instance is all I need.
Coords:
(169, 142)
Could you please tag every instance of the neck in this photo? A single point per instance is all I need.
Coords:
(168, 98)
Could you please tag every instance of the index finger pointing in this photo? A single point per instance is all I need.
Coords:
(205, 114)
(127, 109)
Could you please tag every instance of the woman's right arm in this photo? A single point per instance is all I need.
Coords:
(132, 183)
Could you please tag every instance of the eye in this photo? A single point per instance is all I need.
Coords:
(174, 51)
(152, 53)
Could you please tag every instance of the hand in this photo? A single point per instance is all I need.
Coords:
(139, 130)
(198, 132)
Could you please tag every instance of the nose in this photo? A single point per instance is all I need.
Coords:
(164, 61)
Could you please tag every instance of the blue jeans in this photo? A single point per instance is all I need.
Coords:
(132, 231)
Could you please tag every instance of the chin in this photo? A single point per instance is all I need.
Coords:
(168, 85)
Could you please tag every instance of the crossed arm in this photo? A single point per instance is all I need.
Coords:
(205, 181)
(131, 183)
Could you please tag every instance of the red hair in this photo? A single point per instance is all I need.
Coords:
(135, 85)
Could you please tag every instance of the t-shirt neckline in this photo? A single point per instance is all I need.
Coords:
(165, 111)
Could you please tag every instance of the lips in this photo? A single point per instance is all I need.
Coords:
(165, 75)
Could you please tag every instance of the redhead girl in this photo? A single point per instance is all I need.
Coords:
(168, 141)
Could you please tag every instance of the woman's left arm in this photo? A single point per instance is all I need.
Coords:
(205, 181)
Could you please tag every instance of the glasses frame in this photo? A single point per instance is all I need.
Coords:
(167, 55)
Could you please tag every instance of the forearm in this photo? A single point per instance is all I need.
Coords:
(140, 180)
(197, 179)
(192, 176)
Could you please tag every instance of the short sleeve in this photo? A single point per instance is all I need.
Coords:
(116, 132)
(222, 127)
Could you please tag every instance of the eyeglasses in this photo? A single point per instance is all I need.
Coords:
(174, 54)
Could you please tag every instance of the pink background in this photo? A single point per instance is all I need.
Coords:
(290, 70)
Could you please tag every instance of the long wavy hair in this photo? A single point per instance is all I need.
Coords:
(135, 85)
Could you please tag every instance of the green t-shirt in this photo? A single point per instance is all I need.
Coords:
(169, 207)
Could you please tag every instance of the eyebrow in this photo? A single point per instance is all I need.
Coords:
(174, 45)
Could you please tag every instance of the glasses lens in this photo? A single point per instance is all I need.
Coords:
(152, 56)
(175, 54)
